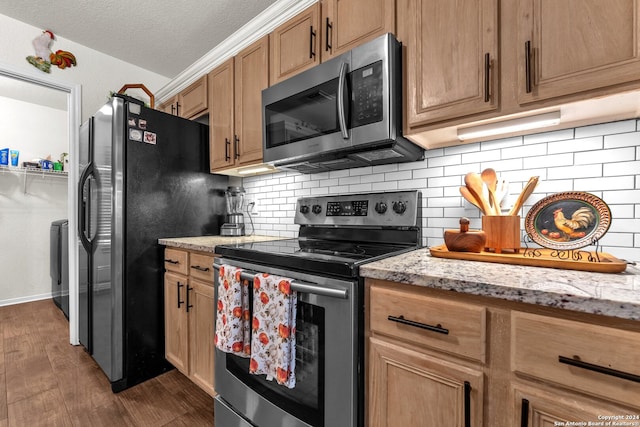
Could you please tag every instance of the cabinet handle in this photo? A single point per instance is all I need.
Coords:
(227, 143)
(189, 289)
(172, 261)
(524, 414)
(177, 108)
(438, 328)
(197, 267)
(312, 36)
(527, 65)
(236, 146)
(467, 404)
(173, 109)
(575, 361)
(180, 285)
(327, 35)
(487, 69)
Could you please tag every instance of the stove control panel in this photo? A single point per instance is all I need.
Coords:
(387, 209)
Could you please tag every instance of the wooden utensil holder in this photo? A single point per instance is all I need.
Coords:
(503, 232)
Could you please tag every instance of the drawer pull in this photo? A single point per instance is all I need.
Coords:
(172, 261)
(467, 404)
(524, 415)
(438, 328)
(197, 267)
(575, 361)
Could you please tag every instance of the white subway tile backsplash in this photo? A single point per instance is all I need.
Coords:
(621, 168)
(603, 160)
(548, 161)
(604, 156)
(584, 171)
(606, 128)
(631, 139)
(576, 145)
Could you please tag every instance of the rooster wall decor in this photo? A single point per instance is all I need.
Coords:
(45, 57)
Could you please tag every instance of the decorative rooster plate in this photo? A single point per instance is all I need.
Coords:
(569, 220)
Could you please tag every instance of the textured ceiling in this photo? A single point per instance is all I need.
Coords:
(163, 36)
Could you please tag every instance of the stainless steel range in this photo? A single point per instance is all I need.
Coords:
(337, 235)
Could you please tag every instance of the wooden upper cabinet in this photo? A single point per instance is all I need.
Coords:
(294, 46)
(221, 116)
(576, 46)
(348, 23)
(251, 77)
(235, 114)
(169, 106)
(193, 100)
(451, 58)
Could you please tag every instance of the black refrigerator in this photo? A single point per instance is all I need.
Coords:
(144, 175)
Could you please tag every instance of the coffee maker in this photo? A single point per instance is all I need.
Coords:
(235, 219)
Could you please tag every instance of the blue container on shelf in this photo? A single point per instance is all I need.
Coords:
(4, 157)
(47, 165)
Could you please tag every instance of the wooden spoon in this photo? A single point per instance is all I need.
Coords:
(490, 178)
(474, 184)
(524, 194)
(469, 198)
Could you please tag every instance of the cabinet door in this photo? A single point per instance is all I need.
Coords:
(252, 76)
(193, 99)
(451, 58)
(293, 46)
(536, 407)
(576, 46)
(170, 107)
(221, 116)
(201, 332)
(175, 322)
(408, 388)
(348, 23)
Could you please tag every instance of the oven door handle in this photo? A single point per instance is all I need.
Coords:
(298, 286)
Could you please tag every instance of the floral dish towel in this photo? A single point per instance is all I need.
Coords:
(233, 333)
(273, 339)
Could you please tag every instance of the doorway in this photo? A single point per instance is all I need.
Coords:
(16, 83)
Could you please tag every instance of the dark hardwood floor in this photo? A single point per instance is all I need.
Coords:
(45, 381)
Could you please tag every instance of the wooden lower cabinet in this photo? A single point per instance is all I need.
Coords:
(437, 358)
(411, 388)
(189, 316)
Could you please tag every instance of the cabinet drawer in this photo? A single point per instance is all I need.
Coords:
(447, 326)
(176, 260)
(596, 360)
(201, 267)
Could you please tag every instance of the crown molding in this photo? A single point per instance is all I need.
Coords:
(276, 14)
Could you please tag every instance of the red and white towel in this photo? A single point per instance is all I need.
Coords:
(232, 312)
(273, 341)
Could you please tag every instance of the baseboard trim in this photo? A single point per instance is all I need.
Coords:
(21, 300)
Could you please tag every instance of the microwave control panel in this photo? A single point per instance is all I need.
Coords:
(368, 93)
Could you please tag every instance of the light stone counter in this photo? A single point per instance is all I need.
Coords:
(616, 295)
(209, 243)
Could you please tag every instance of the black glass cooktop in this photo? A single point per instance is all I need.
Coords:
(312, 255)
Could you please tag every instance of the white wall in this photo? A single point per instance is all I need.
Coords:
(25, 217)
(601, 159)
(96, 72)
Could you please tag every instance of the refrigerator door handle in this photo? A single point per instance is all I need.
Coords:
(83, 226)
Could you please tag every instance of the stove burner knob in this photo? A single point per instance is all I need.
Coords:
(304, 209)
(381, 207)
(399, 207)
(316, 209)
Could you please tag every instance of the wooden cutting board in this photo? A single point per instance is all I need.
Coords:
(540, 258)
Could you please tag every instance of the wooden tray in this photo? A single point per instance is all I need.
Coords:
(607, 263)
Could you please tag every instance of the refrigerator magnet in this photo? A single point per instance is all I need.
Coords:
(150, 137)
(142, 124)
(135, 135)
(132, 122)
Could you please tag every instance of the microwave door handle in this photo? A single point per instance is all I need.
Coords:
(342, 119)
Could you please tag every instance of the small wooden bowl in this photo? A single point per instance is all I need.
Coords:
(465, 240)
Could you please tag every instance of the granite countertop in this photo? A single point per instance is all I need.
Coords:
(616, 295)
(209, 243)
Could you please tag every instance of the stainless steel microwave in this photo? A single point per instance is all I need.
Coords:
(343, 113)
